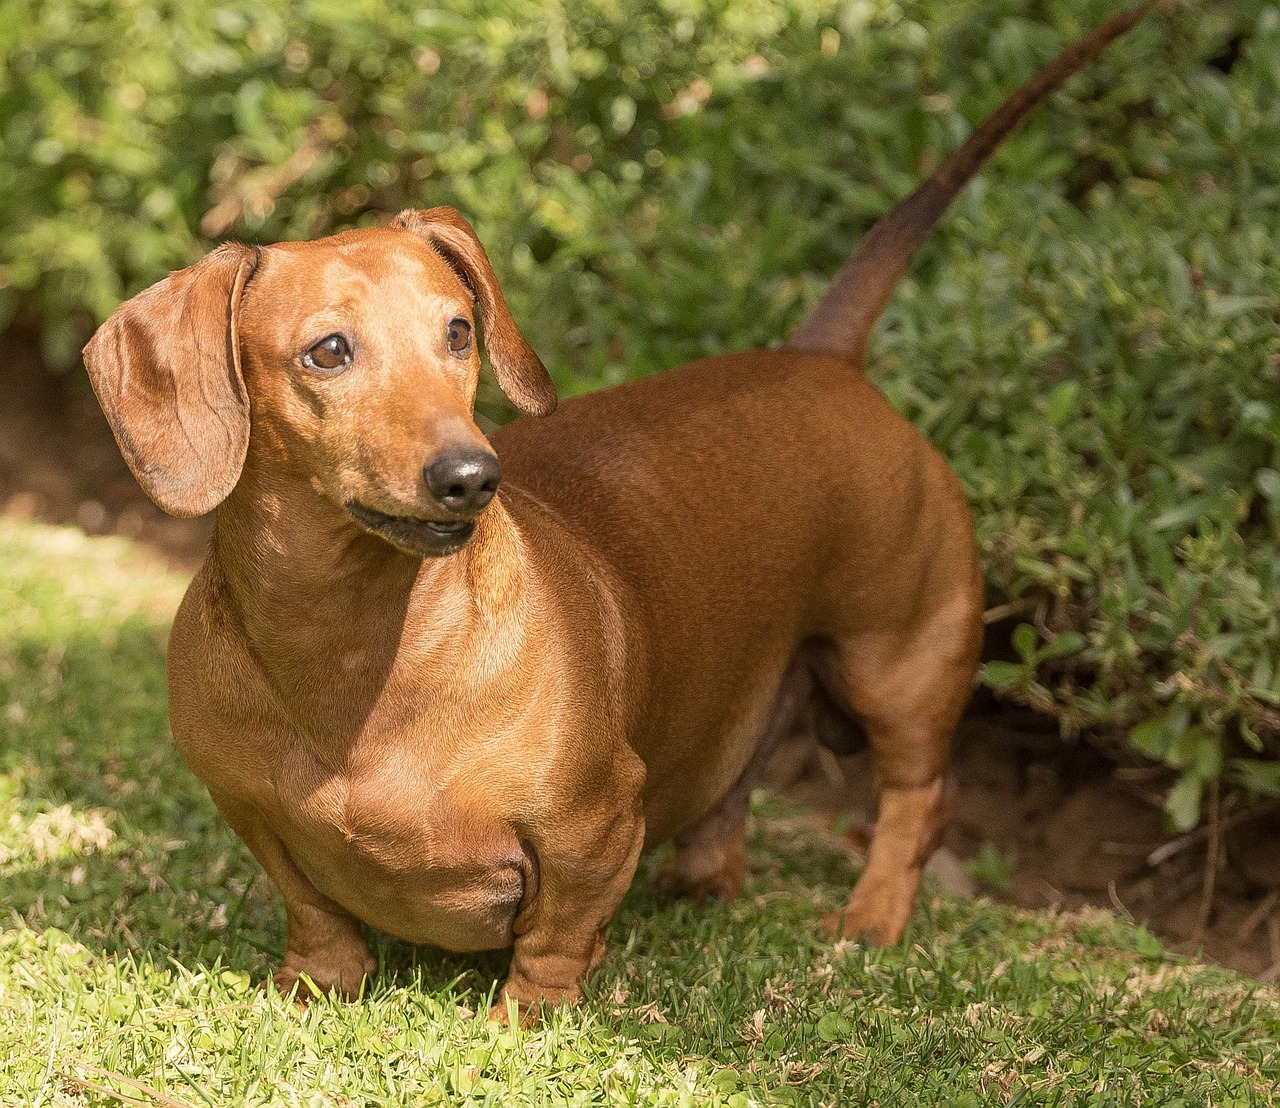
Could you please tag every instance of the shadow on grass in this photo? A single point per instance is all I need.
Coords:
(87, 748)
(118, 844)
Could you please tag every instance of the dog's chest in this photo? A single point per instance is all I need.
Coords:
(394, 848)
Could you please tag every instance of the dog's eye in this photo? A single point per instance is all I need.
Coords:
(328, 354)
(459, 336)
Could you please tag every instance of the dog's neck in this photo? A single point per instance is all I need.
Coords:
(324, 606)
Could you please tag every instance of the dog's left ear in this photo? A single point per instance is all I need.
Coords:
(166, 368)
(519, 370)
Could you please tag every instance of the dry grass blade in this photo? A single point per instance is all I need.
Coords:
(102, 1090)
(155, 1094)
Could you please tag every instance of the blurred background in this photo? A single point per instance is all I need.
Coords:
(1092, 339)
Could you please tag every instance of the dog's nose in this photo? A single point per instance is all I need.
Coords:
(465, 481)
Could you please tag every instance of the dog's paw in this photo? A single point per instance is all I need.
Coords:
(673, 879)
(868, 922)
(526, 1005)
(341, 975)
(524, 1016)
(701, 872)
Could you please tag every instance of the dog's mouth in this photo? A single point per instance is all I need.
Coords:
(425, 538)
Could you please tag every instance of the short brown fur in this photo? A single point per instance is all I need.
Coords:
(472, 750)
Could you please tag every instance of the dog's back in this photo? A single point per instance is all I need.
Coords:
(777, 529)
(843, 518)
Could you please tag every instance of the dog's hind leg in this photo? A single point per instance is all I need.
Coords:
(907, 831)
(711, 857)
(908, 696)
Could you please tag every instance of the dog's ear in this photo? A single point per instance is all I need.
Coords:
(519, 370)
(166, 369)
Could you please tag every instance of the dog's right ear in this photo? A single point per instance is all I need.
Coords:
(166, 369)
(519, 370)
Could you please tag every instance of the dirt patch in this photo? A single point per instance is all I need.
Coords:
(59, 463)
(1041, 822)
(1046, 823)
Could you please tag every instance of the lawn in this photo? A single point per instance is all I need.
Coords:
(137, 929)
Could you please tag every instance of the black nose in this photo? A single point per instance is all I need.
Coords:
(464, 481)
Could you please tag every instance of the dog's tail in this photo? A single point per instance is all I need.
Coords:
(842, 321)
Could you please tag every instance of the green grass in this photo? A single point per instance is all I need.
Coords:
(137, 928)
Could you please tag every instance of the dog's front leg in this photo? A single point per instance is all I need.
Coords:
(560, 936)
(323, 941)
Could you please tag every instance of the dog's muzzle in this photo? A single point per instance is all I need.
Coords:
(423, 538)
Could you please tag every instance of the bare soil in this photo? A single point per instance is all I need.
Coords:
(1040, 822)
(59, 463)
(1068, 827)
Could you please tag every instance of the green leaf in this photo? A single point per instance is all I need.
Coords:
(1225, 307)
(991, 868)
(1025, 639)
(1222, 646)
(1061, 400)
(1152, 738)
(1204, 755)
(726, 1080)
(1003, 675)
(1268, 482)
(1147, 944)
(1069, 642)
(1183, 802)
(1196, 508)
(834, 1028)
(1257, 776)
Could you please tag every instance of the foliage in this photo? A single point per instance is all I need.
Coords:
(138, 925)
(993, 870)
(1092, 339)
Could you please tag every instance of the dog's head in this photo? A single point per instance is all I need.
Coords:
(351, 361)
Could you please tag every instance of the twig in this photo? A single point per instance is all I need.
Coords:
(1165, 851)
(1210, 867)
(1261, 912)
(1007, 611)
(830, 766)
(258, 190)
(1053, 895)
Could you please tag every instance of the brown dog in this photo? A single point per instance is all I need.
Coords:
(460, 717)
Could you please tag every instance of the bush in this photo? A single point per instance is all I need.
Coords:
(1092, 339)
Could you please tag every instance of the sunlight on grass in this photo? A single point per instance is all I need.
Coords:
(137, 928)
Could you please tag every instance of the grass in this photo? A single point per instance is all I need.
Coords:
(136, 929)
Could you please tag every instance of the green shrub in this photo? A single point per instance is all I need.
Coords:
(1093, 338)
